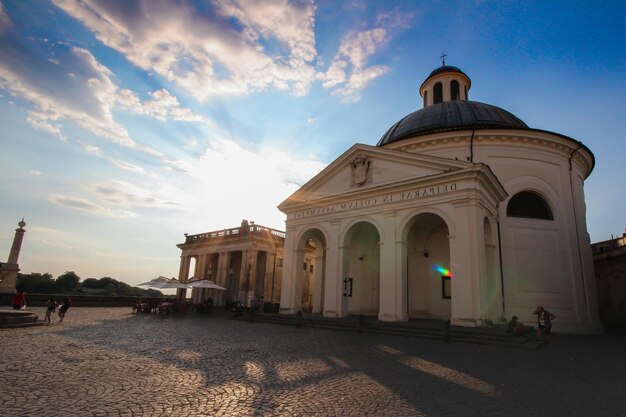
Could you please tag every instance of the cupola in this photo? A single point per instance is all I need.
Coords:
(446, 83)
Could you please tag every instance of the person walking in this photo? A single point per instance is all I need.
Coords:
(51, 306)
(19, 300)
(544, 324)
(64, 307)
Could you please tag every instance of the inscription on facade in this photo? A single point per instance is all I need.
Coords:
(415, 194)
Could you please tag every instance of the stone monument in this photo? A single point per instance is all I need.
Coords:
(9, 270)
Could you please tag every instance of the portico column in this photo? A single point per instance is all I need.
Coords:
(244, 269)
(220, 277)
(183, 272)
(287, 293)
(465, 253)
(390, 277)
(335, 304)
(253, 256)
(199, 274)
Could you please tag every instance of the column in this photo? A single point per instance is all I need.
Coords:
(221, 277)
(244, 270)
(253, 257)
(335, 304)
(9, 271)
(287, 293)
(183, 272)
(466, 262)
(391, 288)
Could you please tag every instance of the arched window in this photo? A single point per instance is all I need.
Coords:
(528, 205)
(454, 90)
(466, 97)
(425, 98)
(438, 93)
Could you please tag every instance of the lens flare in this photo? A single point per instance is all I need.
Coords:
(443, 271)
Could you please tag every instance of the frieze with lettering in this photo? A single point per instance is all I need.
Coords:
(415, 194)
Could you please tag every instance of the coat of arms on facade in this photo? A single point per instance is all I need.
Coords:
(360, 166)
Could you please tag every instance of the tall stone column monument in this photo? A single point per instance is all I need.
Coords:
(9, 270)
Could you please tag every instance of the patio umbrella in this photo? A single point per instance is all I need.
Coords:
(155, 281)
(171, 283)
(205, 283)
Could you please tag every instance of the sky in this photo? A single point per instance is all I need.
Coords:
(125, 124)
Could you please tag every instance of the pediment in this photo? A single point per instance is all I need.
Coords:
(364, 167)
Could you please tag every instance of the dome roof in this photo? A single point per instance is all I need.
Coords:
(451, 115)
(442, 69)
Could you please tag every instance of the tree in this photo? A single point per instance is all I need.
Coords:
(36, 283)
(68, 282)
(90, 283)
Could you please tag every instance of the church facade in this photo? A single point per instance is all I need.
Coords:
(460, 212)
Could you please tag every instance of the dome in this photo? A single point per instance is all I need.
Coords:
(445, 68)
(451, 115)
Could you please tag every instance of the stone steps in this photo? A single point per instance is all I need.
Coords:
(425, 329)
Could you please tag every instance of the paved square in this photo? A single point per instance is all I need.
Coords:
(108, 362)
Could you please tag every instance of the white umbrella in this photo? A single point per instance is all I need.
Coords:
(165, 283)
(171, 283)
(156, 281)
(205, 283)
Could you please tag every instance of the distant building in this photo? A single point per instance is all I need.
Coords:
(609, 259)
(460, 212)
(246, 260)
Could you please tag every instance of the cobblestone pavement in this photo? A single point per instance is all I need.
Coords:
(108, 362)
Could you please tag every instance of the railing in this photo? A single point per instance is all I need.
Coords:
(235, 233)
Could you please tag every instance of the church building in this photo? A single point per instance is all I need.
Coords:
(460, 212)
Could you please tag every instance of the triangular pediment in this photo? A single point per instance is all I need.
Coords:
(364, 167)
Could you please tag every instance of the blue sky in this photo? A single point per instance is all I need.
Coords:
(125, 124)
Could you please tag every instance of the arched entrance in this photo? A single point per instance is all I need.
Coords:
(362, 267)
(311, 267)
(429, 280)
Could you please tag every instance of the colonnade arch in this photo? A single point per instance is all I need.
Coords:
(428, 278)
(361, 265)
(311, 270)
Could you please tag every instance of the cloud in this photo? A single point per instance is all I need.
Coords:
(87, 206)
(86, 99)
(163, 106)
(92, 149)
(191, 144)
(33, 172)
(359, 80)
(127, 166)
(217, 191)
(354, 51)
(125, 194)
(205, 53)
(358, 46)
(5, 20)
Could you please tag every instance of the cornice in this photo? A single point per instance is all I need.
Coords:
(534, 139)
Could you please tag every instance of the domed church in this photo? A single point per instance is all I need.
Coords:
(460, 212)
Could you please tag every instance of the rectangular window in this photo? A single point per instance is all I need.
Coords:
(304, 266)
(446, 287)
(279, 262)
(311, 268)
